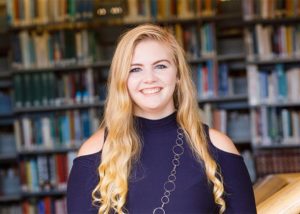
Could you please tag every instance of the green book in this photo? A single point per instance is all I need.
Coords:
(29, 90)
(18, 91)
(44, 89)
(51, 86)
(37, 95)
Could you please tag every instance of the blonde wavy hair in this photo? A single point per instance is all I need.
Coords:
(122, 146)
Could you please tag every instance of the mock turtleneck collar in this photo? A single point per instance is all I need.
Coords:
(157, 124)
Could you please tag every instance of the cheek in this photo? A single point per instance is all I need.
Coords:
(131, 85)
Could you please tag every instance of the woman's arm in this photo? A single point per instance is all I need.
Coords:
(239, 196)
(84, 176)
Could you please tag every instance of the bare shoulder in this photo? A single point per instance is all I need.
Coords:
(222, 141)
(93, 144)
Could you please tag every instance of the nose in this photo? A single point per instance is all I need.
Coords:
(149, 76)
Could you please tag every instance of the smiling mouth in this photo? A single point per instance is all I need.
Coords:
(151, 90)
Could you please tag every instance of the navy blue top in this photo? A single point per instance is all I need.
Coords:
(193, 194)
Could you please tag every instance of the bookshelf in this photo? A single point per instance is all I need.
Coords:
(272, 42)
(59, 64)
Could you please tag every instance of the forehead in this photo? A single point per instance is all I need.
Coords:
(151, 50)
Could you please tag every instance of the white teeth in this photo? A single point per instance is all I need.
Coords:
(151, 90)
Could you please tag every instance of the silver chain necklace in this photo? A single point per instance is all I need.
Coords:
(169, 185)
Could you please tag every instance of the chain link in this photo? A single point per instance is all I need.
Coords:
(169, 185)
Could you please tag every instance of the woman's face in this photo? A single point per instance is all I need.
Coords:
(152, 79)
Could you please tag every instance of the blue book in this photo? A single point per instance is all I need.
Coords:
(65, 125)
(37, 126)
(282, 82)
(34, 175)
(85, 124)
(263, 84)
(41, 207)
(223, 79)
(210, 68)
(153, 8)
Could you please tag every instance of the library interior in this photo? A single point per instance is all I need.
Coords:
(55, 57)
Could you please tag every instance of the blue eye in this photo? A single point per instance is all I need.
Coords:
(160, 66)
(135, 70)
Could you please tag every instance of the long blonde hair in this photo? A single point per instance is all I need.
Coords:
(122, 147)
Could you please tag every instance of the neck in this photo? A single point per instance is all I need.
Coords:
(153, 115)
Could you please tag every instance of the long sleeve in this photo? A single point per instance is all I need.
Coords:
(82, 180)
(239, 194)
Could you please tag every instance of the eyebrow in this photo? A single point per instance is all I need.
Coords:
(158, 61)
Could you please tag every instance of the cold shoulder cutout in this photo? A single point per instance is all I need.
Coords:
(93, 144)
(222, 142)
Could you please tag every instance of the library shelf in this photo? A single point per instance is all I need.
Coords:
(121, 21)
(8, 157)
(58, 108)
(6, 115)
(231, 57)
(10, 198)
(43, 150)
(5, 74)
(56, 192)
(241, 141)
(276, 146)
(5, 84)
(277, 104)
(58, 68)
(232, 98)
(6, 121)
(280, 20)
(200, 60)
(275, 60)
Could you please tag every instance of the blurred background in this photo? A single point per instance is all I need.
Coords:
(54, 62)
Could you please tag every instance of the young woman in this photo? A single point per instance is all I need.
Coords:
(152, 153)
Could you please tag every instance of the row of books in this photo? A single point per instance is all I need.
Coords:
(270, 9)
(268, 41)
(277, 161)
(27, 12)
(33, 49)
(65, 129)
(273, 85)
(45, 172)
(218, 82)
(45, 205)
(235, 124)
(57, 89)
(196, 41)
(41, 206)
(275, 126)
(165, 9)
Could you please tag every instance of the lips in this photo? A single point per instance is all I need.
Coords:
(151, 90)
